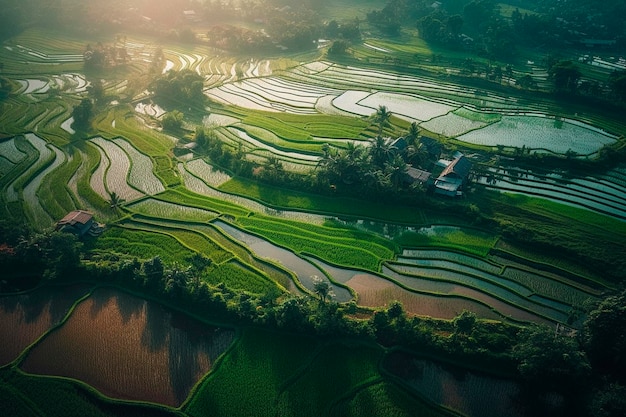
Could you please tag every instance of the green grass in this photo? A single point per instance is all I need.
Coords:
(339, 246)
(188, 198)
(91, 161)
(27, 395)
(301, 128)
(31, 157)
(152, 207)
(283, 198)
(336, 253)
(190, 239)
(311, 393)
(467, 240)
(580, 235)
(239, 278)
(249, 378)
(53, 192)
(382, 247)
(146, 140)
(385, 399)
(270, 373)
(140, 244)
(478, 116)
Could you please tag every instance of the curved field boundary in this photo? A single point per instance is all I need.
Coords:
(80, 182)
(142, 169)
(556, 273)
(380, 247)
(97, 180)
(39, 216)
(204, 171)
(502, 289)
(16, 172)
(446, 288)
(377, 290)
(191, 199)
(418, 254)
(158, 208)
(552, 287)
(117, 174)
(191, 239)
(243, 135)
(241, 206)
(336, 251)
(54, 192)
(9, 151)
(560, 194)
(45, 157)
(264, 247)
(243, 255)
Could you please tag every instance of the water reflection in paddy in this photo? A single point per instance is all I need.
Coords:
(130, 348)
(470, 393)
(451, 289)
(304, 270)
(376, 291)
(25, 317)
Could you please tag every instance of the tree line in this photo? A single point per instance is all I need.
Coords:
(586, 369)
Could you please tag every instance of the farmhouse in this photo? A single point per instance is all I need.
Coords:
(453, 176)
(419, 176)
(80, 223)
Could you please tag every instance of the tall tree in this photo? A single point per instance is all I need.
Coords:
(605, 335)
(396, 168)
(381, 118)
(82, 113)
(565, 76)
(617, 81)
(380, 151)
(321, 288)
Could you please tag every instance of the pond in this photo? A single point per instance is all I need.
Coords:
(130, 348)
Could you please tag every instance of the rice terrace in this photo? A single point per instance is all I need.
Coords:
(313, 208)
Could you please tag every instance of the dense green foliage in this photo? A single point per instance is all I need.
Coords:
(301, 339)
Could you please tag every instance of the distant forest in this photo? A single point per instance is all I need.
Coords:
(549, 23)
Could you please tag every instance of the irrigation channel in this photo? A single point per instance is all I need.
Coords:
(129, 348)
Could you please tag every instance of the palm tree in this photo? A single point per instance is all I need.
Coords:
(115, 200)
(413, 133)
(381, 118)
(416, 154)
(353, 161)
(396, 169)
(380, 151)
(321, 288)
(274, 168)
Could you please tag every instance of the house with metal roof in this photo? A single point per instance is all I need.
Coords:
(80, 223)
(453, 177)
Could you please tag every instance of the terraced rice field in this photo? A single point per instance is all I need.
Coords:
(550, 296)
(438, 107)
(24, 318)
(304, 270)
(466, 392)
(300, 106)
(541, 134)
(160, 358)
(605, 194)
